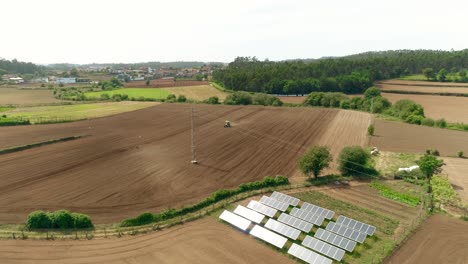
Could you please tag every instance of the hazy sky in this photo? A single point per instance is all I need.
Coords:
(86, 31)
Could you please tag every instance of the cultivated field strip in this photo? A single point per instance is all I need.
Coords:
(140, 161)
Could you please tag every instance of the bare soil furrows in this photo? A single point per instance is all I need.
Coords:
(202, 241)
(440, 239)
(423, 83)
(411, 86)
(456, 169)
(452, 108)
(140, 161)
(401, 137)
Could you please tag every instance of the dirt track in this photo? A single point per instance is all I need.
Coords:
(140, 161)
(440, 239)
(457, 169)
(401, 137)
(452, 108)
(202, 241)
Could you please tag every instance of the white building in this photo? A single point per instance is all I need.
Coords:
(65, 80)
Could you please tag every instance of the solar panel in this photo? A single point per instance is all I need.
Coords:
(328, 214)
(295, 222)
(324, 248)
(274, 203)
(346, 232)
(308, 255)
(335, 239)
(235, 220)
(263, 209)
(285, 198)
(268, 236)
(283, 229)
(308, 216)
(249, 214)
(356, 225)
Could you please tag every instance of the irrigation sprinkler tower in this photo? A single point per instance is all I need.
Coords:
(194, 152)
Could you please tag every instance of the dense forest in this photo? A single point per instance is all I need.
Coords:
(18, 67)
(350, 74)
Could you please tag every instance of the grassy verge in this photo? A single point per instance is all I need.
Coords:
(35, 145)
(394, 195)
(387, 163)
(135, 93)
(220, 87)
(375, 248)
(421, 77)
(5, 108)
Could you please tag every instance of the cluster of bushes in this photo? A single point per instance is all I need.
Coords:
(212, 100)
(61, 219)
(371, 102)
(355, 161)
(172, 98)
(215, 197)
(13, 121)
(245, 98)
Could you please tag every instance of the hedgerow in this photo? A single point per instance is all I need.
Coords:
(215, 197)
(61, 219)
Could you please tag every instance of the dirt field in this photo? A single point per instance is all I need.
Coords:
(165, 83)
(401, 137)
(140, 161)
(453, 109)
(198, 93)
(427, 87)
(292, 99)
(457, 169)
(13, 96)
(440, 239)
(202, 241)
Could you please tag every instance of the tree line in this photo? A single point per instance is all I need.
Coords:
(350, 74)
(19, 67)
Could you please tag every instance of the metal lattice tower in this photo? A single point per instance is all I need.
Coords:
(194, 152)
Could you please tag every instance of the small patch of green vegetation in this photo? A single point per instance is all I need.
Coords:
(13, 121)
(443, 190)
(324, 180)
(135, 93)
(5, 108)
(60, 219)
(394, 195)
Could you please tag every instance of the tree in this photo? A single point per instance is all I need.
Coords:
(37, 220)
(74, 72)
(353, 161)
(370, 130)
(442, 75)
(148, 82)
(463, 75)
(429, 73)
(372, 92)
(315, 160)
(429, 165)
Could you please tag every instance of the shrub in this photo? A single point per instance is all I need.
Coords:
(181, 99)
(212, 100)
(414, 119)
(460, 154)
(266, 99)
(117, 97)
(143, 219)
(61, 219)
(428, 122)
(171, 98)
(105, 96)
(435, 152)
(238, 98)
(81, 221)
(372, 92)
(353, 161)
(441, 123)
(38, 220)
(405, 108)
(370, 130)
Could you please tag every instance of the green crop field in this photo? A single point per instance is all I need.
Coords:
(153, 93)
(61, 113)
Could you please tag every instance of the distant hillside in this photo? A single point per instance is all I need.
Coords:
(153, 64)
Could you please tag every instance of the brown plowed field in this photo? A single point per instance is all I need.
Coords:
(452, 108)
(292, 99)
(140, 161)
(202, 241)
(401, 137)
(410, 86)
(164, 83)
(423, 83)
(14, 96)
(440, 239)
(457, 169)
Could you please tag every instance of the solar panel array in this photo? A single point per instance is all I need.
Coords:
(249, 214)
(346, 232)
(274, 203)
(328, 214)
(283, 229)
(307, 216)
(268, 236)
(263, 209)
(235, 220)
(356, 225)
(285, 198)
(335, 239)
(324, 248)
(295, 222)
(308, 255)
